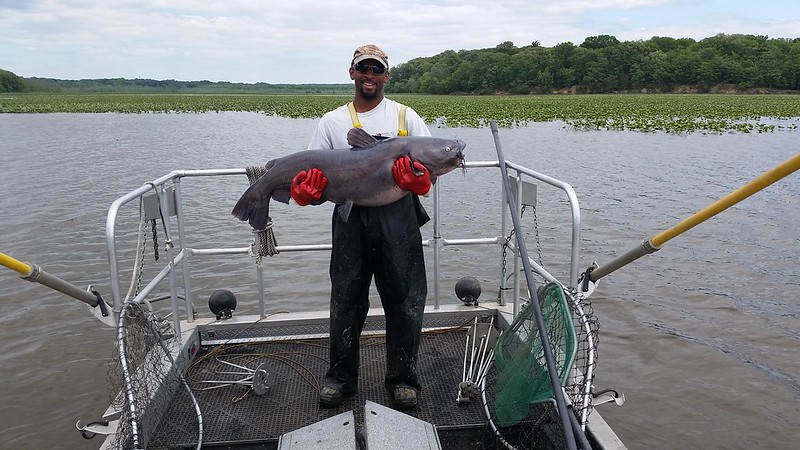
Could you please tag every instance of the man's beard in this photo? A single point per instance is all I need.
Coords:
(369, 95)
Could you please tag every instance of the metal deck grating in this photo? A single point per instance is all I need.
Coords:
(292, 403)
(320, 327)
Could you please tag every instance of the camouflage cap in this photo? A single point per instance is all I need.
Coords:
(370, 51)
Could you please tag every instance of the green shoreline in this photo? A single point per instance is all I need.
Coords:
(673, 113)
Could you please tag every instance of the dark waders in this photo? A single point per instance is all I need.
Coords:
(385, 242)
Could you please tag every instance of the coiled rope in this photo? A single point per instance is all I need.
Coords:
(264, 242)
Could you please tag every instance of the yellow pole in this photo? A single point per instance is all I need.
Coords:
(654, 243)
(15, 265)
(32, 272)
(790, 165)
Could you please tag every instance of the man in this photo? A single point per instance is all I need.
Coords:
(384, 242)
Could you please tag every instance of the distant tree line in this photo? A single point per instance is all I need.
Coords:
(10, 82)
(604, 64)
(600, 64)
(143, 85)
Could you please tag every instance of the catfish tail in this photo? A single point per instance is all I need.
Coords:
(250, 209)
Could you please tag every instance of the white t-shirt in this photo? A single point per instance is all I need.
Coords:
(331, 131)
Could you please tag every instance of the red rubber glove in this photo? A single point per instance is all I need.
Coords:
(308, 186)
(411, 176)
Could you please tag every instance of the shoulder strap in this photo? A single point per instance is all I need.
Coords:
(401, 121)
(353, 115)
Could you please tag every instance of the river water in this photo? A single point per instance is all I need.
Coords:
(702, 337)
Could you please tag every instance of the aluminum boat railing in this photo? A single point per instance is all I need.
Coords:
(170, 199)
(169, 203)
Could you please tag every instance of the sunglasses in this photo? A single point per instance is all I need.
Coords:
(376, 69)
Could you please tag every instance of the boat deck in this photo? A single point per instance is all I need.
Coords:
(235, 416)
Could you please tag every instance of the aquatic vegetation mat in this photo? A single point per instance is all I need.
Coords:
(671, 113)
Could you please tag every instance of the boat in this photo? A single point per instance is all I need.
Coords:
(498, 372)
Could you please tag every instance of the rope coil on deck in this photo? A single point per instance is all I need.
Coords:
(264, 242)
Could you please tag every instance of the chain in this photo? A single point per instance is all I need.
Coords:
(536, 236)
(505, 252)
(504, 269)
(155, 239)
(141, 269)
(511, 235)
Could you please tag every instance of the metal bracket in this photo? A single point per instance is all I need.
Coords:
(528, 196)
(92, 429)
(609, 397)
(151, 204)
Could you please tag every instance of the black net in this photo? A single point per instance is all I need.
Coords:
(578, 385)
(143, 377)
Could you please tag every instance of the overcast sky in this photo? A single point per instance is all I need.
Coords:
(312, 41)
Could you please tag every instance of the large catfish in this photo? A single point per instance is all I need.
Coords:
(361, 175)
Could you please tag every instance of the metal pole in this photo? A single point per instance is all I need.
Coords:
(654, 243)
(187, 279)
(262, 301)
(437, 236)
(517, 255)
(32, 272)
(503, 228)
(558, 392)
(173, 278)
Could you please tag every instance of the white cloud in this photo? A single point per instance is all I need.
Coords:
(309, 41)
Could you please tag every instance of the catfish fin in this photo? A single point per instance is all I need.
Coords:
(281, 195)
(358, 138)
(344, 211)
(251, 210)
(416, 171)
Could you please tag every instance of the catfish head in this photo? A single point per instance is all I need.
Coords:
(439, 156)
